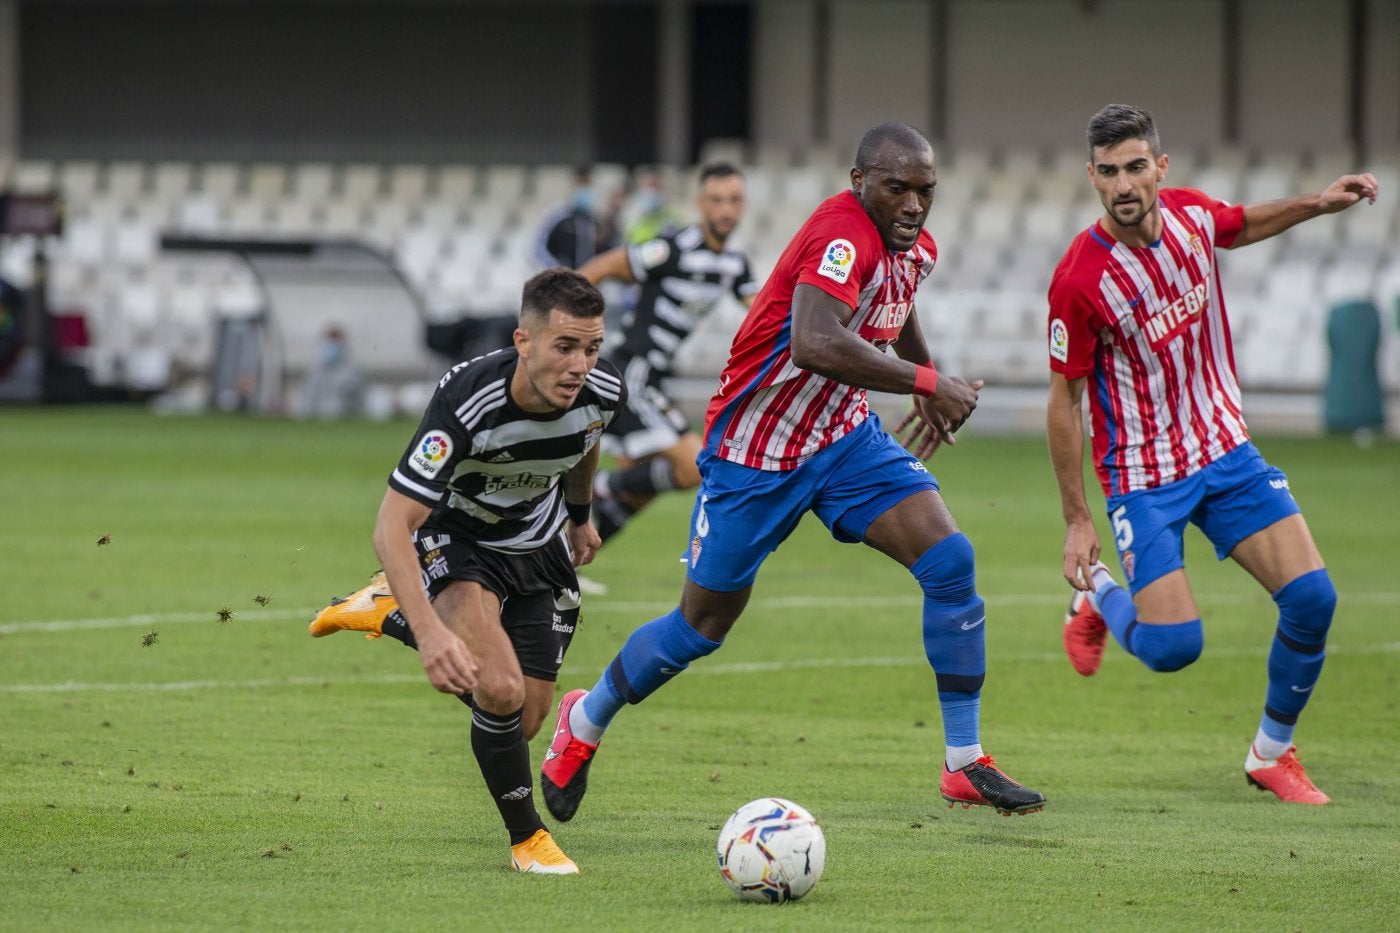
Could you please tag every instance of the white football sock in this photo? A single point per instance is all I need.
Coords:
(958, 757)
(582, 727)
(1267, 748)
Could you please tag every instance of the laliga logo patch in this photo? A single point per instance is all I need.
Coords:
(654, 253)
(837, 260)
(432, 452)
(1059, 340)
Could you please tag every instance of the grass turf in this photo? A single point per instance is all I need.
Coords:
(161, 769)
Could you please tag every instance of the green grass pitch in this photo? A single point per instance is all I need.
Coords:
(163, 769)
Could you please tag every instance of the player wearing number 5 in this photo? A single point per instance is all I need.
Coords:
(1137, 316)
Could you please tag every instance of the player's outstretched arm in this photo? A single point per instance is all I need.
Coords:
(449, 665)
(1064, 431)
(614, 264)
(1270, 218)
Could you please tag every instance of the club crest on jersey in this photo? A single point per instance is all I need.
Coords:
(1197, 246)
(837, 259)
(1059, 340)
(432, 451)
(591, 434)
(653, 253)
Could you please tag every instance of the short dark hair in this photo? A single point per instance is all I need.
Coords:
(718, 170)
(1119, 123)
(876, 137)
(559, 288)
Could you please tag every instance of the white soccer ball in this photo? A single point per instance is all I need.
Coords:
(771, 851)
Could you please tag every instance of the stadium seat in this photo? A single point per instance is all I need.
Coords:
(408, 183)
(220, 180)
(135, 242)
(311, 182)
(504, 184)
(125, 181)
(455, 183)
(171, 181)
(33, 176)
(360, 183)
(199, 213)
(550, 184)
(267, 182)
(80, 181)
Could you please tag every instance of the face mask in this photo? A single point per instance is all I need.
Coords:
(649, 202)
(332, 352)
(583, 199)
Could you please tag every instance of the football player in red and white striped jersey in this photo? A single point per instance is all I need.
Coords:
(1138, 320)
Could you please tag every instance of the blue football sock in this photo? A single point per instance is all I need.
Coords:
(955, 632)
(1119, 614)
(651, 656)
(1305, 606)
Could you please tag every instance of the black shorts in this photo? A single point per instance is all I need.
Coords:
(648, 424)
(538, 591)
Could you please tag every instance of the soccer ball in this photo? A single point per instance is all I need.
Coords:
(771, 851)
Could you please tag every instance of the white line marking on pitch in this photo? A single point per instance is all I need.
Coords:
(773, 603)
(739, 667)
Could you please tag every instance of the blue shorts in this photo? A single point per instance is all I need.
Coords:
(742, 514)
(1229, 500)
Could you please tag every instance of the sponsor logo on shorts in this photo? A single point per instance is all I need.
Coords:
(431, 452)
(837, 259)
(695, 551)
(559, 625)
(566, 599)
(436, 568)
(1279, 483)
(917, 467)
(1059, 341)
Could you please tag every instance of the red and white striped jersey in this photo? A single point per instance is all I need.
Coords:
(772, 415)
(1147, 326)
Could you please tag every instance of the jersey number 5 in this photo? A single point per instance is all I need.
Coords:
(1122, 528)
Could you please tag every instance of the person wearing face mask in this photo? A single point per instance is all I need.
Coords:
(335, 387)
(647, 216)
(575, 231)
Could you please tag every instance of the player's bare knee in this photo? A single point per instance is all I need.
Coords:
(499, 691)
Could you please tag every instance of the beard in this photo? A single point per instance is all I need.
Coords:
(1136, 220)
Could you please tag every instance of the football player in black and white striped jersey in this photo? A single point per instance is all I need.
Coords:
(683, 276)
(486, 517)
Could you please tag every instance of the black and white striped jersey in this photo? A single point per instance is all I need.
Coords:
(682, 280)
(490, 470)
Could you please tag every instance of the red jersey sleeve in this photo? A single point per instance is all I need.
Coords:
(1072, 330)
(839, 251)
(1228, 218)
